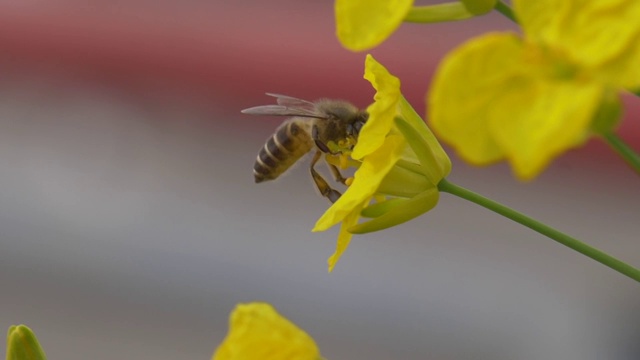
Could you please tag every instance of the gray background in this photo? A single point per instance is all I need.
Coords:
(130, 226)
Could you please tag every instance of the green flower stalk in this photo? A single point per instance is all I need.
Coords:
(22, 344)
(564, 239)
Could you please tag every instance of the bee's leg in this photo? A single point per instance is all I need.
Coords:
(321, 183)
(337, 175)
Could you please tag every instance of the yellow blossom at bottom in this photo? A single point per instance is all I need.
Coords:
(258, 332)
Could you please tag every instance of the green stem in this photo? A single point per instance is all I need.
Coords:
(450, 11)
(624, 150)
(541, 228)
(506, 10)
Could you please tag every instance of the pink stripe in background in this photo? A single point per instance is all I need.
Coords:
(237, 49)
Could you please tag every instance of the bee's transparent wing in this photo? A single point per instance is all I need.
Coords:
(290, 101)
(287, 106)
(278, 110)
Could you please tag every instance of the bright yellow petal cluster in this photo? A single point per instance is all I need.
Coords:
(529, 99)
(257, 331)
(22, 344)
(602, 36)
(364, 24)
(381, 145)
(378, 151)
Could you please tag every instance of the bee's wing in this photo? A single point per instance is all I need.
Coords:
(279, 110)
(290, 101)
(287, 106)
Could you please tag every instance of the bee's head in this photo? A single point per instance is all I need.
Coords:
(346, 119)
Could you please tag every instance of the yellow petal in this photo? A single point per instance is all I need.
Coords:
(535, 120)
(381, 112)
(363, 24)
(463, 92)
(344, 236)
(365, 183)
(602, 36)
(257, 331)
(490, 100)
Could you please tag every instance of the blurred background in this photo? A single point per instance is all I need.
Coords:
(130, 225)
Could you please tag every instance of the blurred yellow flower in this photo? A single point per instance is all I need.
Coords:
(22, 344)
(365, 24)
(529, 98)
(396, 155)
(258, 332)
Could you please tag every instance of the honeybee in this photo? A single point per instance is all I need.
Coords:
(328, 126)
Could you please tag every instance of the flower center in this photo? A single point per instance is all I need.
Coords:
(551, 63)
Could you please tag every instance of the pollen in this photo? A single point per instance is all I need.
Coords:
(344, 161)
(348, 181)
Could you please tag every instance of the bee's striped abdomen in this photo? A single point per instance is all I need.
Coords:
(290, 142)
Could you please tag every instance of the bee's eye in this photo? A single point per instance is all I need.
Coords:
(357, 126)
(350, 130)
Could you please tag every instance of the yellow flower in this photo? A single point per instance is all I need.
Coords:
(529, 98)
(22, 344)
(257, 331)
(364, 24)
(396, 155)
